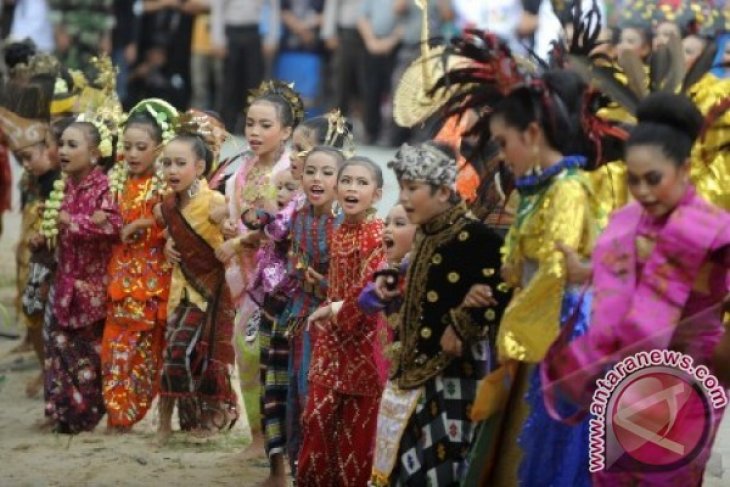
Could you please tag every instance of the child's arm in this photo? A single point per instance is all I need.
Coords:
(348, 307)
(104, 222)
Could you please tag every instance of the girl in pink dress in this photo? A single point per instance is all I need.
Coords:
(274, 111)
(88, 223)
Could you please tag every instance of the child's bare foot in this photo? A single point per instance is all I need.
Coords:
(117, 430)
(163, 435)
(44, 425)
(22, 347)
(274, 481)
(277, 475)
(34, 386)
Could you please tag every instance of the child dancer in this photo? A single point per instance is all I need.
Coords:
(312, 227)
(88, 222)
(331, 130)
(447, 310)
(131, 350)
(25, 127)
(199, 356)
(274, 111)
(662, 260)
(338, 424)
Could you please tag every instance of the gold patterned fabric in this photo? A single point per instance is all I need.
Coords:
(564, 210)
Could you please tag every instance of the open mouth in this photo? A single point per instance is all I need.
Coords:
(280, 204)
(316, 190)
(388, 242)
(173, 181)
(353, 200)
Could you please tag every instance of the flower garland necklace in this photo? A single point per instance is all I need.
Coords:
(51, 211)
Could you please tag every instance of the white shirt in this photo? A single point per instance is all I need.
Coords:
(499, 16)
(549, 26)
(31, 20)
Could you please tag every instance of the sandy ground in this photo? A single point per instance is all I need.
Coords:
(31, 457)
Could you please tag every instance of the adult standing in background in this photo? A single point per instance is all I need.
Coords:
(340, 35)
(235, 34)
(82, 30)
(124, 43)
(206, 65)
(381, 33)
(31, 20)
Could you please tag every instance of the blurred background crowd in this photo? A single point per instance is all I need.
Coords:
(209, 53)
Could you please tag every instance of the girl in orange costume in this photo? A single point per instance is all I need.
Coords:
(139, 274)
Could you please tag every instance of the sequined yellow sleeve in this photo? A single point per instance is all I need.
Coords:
(566, 213)
(710, 167)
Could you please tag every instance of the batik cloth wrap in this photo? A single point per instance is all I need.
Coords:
(199, 356)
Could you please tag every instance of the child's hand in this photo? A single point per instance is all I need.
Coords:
(479, 296)
(131, 232)
(98, 218)
(172, 255)
(229, 229)
(36, 241)
(218, 214)
(578, 271)
(383, 289)
(64, 218)
(312, 276)
(320, 317)
(451, 344)
(157, 211)
(226, 251)
(250, 218)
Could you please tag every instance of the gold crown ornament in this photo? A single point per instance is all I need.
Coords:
(285, 91)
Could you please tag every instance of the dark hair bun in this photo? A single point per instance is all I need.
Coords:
(675, 111)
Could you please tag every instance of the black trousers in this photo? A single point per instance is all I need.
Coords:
(376, 86)
(243, 70)
(348, 69)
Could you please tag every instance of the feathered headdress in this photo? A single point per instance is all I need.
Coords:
(487, 72)
(286, 92)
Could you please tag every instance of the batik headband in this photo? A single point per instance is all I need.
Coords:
(424, 163)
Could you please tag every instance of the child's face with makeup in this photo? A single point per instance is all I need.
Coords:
(398, 234)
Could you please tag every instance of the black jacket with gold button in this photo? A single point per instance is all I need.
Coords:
(451, 253)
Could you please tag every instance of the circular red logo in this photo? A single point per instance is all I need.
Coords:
(660, 418)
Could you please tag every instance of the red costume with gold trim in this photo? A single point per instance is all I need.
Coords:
(340, 417)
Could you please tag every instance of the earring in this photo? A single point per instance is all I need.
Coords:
(93, 162)
(194, 189)
(536, 168)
